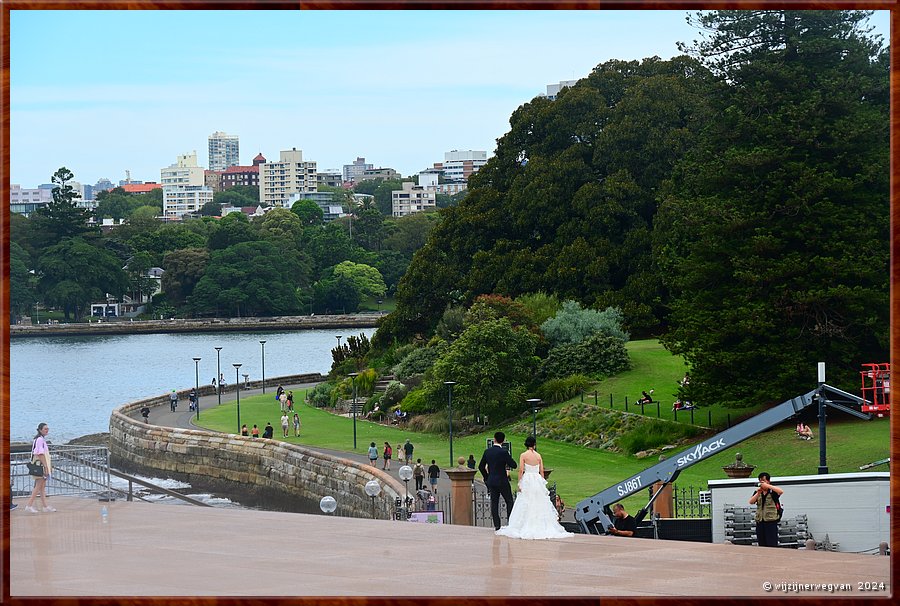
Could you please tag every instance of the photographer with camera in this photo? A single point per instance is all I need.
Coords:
(624, 525)
(766, 500)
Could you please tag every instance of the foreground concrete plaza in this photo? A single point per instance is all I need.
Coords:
(176, 550)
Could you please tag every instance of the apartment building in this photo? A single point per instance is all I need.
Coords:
(378, 174)
(26, 201)
(352, 171)
(224, 151)
(458, 165)
(184, 187)
(411, 199)
(290, 175)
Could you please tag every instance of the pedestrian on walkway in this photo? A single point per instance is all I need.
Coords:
(470, 463)
(40, 453)
(388, 452)
(401, 455)
(290, 401)
(282, 400)
(434, 472)
(373, 454)
(419, 474)
(408, 452)
(173, 400)
(192, 397)
(296, 425)
(285, 422)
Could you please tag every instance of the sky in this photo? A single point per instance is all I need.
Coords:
(102, 92)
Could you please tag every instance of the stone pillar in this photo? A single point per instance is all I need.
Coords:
(461, 478)
(664, 503)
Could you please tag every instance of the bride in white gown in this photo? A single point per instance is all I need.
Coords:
(533, 515)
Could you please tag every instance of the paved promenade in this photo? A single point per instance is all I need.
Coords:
(167, 550)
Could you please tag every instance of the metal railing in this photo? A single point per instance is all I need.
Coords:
(690, 502)
(75, 471)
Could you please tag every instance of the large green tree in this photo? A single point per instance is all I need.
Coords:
(567, 203)
(61, 217)
(251, 279)
(774, 235)
(183, 269)
(75, 273)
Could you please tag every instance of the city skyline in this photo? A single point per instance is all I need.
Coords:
(146, 86)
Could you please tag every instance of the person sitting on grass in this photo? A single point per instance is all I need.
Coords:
(804, 432)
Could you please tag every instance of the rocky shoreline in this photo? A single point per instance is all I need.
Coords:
(128, 327)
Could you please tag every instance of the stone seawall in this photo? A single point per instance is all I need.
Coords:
(255, 471)
(125, 327)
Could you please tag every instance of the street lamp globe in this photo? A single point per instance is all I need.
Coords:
(327, 504)
(406, 473)
(373, 488)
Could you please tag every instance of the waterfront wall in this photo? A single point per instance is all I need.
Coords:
(126, 327)
(275, 474)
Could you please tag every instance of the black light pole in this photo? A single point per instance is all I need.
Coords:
(353, 376)
(534, 408)
(237, 386)
(197, 386)
(218, 375)
(823, 465)
(338, 337)
(263, 344)
(450, 385)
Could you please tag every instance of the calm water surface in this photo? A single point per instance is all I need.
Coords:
(74, 383)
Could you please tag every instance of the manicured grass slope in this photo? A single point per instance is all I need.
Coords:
(581, 472)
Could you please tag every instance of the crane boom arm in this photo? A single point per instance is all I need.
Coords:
(594, 513)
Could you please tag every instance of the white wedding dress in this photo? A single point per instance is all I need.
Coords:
(533, 515)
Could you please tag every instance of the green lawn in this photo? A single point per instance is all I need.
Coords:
(581, 472)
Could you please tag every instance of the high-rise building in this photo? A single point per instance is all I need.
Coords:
(224, 151)
(355, 170)
(289, 175)
(184, 187)
(458, 165)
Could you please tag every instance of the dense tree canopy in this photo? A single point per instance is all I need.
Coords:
(774, 236)
(566, 204)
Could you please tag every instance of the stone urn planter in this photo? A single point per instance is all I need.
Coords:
(738, 469)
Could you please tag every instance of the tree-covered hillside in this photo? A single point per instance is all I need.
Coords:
(733, 200)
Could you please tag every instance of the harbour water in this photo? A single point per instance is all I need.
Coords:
(74, 383)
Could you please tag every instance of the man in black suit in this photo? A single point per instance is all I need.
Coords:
(493, 466)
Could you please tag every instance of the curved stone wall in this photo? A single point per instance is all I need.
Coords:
(255, 471)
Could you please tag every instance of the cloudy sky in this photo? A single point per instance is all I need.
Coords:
(102, 92)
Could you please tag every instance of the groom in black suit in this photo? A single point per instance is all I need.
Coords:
(493, 466)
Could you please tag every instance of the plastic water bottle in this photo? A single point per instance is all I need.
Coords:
(104, 515)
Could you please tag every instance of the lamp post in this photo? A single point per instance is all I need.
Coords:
(533, 402)
(373, 489)
(197, 386)
(263, 344)
(218, 375)
(338, 337)
(353, 376)
(406, 473)
(450, 385)
(328, 505)
(237, 386)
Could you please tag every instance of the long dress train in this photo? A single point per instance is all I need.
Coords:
(533, 515)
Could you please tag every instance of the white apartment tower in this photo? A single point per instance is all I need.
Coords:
(289, 175)
(184, 187)
(458, 165)
(224, 151)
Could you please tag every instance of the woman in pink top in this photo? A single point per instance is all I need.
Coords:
(40, 452)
